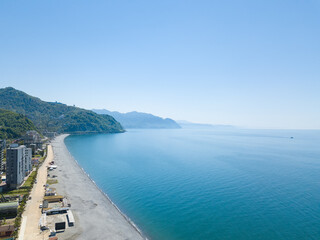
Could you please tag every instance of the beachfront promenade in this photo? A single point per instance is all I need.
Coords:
(29, 229)
(96, 217)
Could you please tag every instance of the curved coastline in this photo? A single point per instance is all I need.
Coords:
(121, 229)
(109, 199)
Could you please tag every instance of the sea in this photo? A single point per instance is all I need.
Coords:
(185, 184)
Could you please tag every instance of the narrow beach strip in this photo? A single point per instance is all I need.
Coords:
(96, 216)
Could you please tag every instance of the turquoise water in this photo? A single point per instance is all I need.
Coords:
(209, 184)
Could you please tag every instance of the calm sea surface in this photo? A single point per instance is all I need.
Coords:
(209, 184)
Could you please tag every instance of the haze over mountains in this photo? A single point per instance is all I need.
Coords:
(22, 112)
(187, 124)
(57, 117)
(140, 120)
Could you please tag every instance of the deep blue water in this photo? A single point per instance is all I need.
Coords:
(209, 184)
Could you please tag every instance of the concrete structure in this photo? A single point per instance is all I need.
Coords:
(43, 221)
(2, 148)
(70, 218)
(33, 147)
(50, 192)
(32, 137)
(35, 161)
(56, 198)
(28, 160)
(50, 135)
(54, 211)
(18, 165)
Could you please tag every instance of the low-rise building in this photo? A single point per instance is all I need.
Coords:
(9, 208)
(32, 137)
(34, 161)
(6, 231)
(50, 192)
(55, 198)
(33, 147)
(50, 135)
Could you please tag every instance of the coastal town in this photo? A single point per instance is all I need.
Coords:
(159, 120)
(44, 192)
(38, 200)
(30, 207)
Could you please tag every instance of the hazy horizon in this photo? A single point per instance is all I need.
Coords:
(249, 64)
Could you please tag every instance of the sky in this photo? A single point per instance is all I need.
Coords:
(247, 63)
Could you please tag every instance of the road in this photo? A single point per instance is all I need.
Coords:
(30, 229)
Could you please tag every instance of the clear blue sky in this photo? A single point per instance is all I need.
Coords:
(246, 63)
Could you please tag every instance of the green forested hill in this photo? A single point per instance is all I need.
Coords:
(13, 125)
(56, 117)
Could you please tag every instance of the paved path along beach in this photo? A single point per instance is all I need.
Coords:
(30, 219)
(95, 216)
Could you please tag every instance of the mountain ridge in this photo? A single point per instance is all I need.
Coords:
(136, 119)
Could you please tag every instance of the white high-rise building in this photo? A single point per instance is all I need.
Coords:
(18, 165)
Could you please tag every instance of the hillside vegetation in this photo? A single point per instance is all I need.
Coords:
(13, 125)
(57, 117)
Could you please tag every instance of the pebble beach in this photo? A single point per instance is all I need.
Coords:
(96, 216)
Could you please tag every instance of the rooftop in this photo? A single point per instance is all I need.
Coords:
(53, 197)
(6, 205)
(6, 228)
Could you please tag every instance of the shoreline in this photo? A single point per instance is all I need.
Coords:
(109, 199)
(84, 203)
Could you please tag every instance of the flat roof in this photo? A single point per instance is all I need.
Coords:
(9, 205)
(43, 220)
(57, 210)
(53, 197)
(7, 228)
(70, 216)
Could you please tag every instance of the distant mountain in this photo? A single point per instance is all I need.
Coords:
(57, 117)
(187, 124)
(139, 119)
(13, 125)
